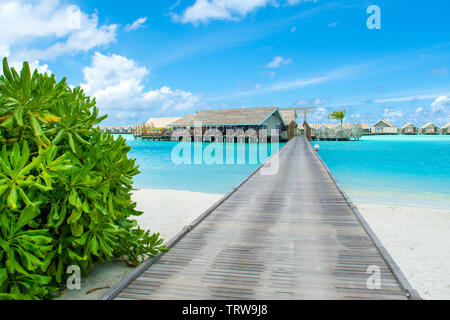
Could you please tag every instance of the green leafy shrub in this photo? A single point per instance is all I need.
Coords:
(65, 187)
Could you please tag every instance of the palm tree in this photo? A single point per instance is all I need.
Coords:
(338, 115)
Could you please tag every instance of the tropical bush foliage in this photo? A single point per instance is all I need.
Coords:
(338, 115)
(65, 187)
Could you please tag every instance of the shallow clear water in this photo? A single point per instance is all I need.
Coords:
(397, 170)
(160, 168)
(401, 170)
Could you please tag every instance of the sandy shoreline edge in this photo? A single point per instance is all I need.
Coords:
(416, 238)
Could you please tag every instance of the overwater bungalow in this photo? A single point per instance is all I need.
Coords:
(329, 131)
(446, 129)
(117, 129)
(409, 128)
(429, 128)
(251, 121)
(384, 127)
(365, 128)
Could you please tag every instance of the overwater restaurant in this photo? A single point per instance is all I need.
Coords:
(247, 125)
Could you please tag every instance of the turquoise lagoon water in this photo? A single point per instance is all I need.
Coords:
(398, 170)
(161, 170)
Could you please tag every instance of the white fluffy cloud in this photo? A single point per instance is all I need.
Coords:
(24, 24)
(107, 73)
(319, 116)
(278, 62)
(116, 83)
(441, 103)
(33, 65)
(139, 23)
(438, 112)
(203, 11)
(393, 115)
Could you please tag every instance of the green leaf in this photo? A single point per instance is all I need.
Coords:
(12, 198)
(8, 123)
(48, 259)
(74, 256)
(24, 197)
(26, 216)
(3, 188)
(72, 143)
(25, 77)
(37, 129)
(75, 216)
(74, 199)
(6, 70)
(79, 138)
(58, 137)
(3, 276)
(40, 279)
(76, 229)
(18, 115)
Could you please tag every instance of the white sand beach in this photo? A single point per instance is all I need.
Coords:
(417, 238)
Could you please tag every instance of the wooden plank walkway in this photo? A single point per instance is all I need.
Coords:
(292, 235)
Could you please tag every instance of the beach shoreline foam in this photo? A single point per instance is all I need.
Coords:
(417, 238)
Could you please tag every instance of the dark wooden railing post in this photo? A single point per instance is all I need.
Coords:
(307, 130)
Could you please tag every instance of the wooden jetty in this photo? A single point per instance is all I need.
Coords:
(290, 235)
(149, 132)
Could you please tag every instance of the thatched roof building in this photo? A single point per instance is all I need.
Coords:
(289, 115)
(229, 117)
(237, 119)
(365, 128)
(162, 122)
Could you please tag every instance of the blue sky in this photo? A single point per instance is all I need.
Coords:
(144, 59)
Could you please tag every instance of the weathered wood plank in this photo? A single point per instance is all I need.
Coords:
(291, 235)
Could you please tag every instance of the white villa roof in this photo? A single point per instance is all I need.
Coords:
(429, 124)
(382, 120)
(409, 124)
